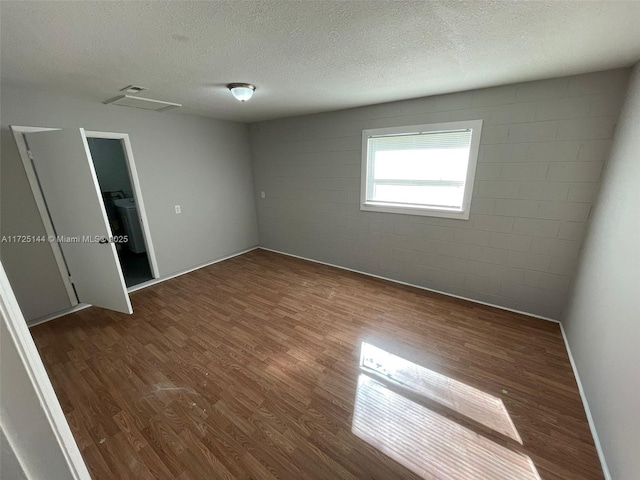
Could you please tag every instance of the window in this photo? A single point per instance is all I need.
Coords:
(420, 169)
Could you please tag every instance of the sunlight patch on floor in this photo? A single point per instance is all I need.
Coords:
(429, 444)
(424, 441)
(460, 397)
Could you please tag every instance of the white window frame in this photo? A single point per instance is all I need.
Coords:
(463, 213)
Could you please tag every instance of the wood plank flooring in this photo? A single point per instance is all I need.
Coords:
(269, 367)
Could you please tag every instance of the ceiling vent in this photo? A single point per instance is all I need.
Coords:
(132, 89)
(144, 103)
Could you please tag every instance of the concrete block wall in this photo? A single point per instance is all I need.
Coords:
(543, 147)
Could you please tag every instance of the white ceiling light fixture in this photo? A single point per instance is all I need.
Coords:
(242, 91)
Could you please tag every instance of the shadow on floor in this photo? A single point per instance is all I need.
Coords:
(135, 267)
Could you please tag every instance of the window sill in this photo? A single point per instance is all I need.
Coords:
(422, 211)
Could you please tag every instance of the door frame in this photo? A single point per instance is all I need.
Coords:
(32, 177)
(23, 357)
(137, 192)
(18, 134)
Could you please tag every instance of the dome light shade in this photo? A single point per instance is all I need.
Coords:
(242, 91)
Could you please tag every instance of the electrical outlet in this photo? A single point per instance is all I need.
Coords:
(263, 195)
(178, 210)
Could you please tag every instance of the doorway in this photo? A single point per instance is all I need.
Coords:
(111, 165)
(71, 202)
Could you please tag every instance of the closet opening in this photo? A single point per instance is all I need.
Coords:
(112, 170)
(87, 191)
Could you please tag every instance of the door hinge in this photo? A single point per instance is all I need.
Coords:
(30, 155)
(70, 278)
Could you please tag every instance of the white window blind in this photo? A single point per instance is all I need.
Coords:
(420, 169)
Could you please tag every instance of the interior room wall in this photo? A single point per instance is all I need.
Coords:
(543, 146)
(111, 165)
(201, 164)
(35, 436)
(602, 323)
(10, 465)
(31, 267)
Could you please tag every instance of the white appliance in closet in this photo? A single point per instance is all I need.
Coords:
(128, 214)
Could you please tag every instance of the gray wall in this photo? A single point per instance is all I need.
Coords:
(543, 146)
(31, 268)
(32, 438)
(10, 467)
(198, 163)
(602, 322)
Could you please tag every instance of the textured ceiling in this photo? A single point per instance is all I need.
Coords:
(306, 56)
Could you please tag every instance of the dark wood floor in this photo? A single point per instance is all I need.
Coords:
(265, 366)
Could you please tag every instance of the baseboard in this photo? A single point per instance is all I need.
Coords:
(61, 313)
(155, 281)
(585, 404)
(189, 270)
(140, 286)
(413, 285)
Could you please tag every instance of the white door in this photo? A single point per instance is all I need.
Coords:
(69, 184)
